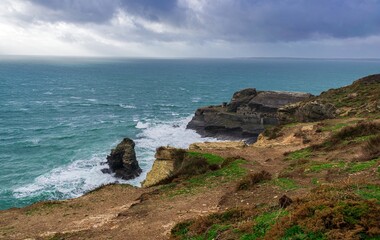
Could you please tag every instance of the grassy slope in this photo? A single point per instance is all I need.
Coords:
(330, 170)
(342, 175)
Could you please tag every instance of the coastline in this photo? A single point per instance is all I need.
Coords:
(288, 154)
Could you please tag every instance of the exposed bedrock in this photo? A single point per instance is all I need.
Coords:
(245, 116)
(122, 160)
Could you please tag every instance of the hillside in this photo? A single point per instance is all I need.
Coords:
(303, 179)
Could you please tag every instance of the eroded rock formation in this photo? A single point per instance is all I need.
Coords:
(245, 116)
(122, 160)
(164, 165)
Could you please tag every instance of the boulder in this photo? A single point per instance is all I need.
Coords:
(122, 160)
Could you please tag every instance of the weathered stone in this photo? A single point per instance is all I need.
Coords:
(245, 116)
(202, 146)
(165, 164)
(161, 169)
(306, 112)
(122, 160)
(167, 153)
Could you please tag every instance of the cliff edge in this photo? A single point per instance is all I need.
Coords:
(245, 116)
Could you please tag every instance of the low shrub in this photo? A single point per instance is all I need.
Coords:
(371, 149)
(253, 179)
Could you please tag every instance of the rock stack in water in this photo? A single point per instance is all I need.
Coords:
(122, 160)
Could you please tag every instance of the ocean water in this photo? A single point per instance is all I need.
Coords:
(60, 117)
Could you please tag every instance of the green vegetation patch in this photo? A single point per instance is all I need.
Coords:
(325, 166)
(334, 128)
(263, 223)
(369, 192)
(297, 232)
(211, 158)
(210, 179)
(361, 166)
(304, 153)
(286, 183)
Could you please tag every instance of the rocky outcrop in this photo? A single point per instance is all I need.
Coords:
(165, 164)
(306, 112)
(360, 99)
(122, 160)
(207, 146)
(248, 112)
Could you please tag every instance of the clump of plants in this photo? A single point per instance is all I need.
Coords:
(361, 129)
(253, 179)
(330, 213)
(371, 149)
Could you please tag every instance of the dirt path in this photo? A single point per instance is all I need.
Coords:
(124, 212)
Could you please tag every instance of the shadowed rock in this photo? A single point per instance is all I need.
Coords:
(122, 160)
(285, 201)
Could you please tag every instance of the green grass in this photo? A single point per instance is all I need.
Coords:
(181, 229)
(299, 154)
(325, 166)
(349, 167)
(361, 166)
(214, 230)
(370, 192)
(352, 213)
(211, 158)
(335, 127)
(285, 183)
(210, 179)
(296, 232)
(263, 223)
(315, 181)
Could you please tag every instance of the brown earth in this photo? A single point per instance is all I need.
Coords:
(125, 212)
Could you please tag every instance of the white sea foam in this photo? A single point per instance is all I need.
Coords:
(82, 175)
(68, 181)
(47, 93)
(196, 99)
(171, 133)
(141, 125)
(127, 106)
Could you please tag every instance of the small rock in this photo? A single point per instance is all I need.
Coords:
(106, 170)
(285, 201)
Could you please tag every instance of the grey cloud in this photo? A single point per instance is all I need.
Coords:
(232, 20)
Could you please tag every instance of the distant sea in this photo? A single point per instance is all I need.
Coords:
(60, 117)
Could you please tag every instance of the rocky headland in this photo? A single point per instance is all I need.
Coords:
(313, 174)
(245, 116)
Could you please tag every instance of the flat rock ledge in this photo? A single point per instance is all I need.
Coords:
(122, 160)
(245, 116)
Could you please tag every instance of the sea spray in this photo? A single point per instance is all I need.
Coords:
(83, 175)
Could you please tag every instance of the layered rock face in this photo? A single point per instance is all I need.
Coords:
(122, 160)
(306, 112)
(164, 165)
(245, 116)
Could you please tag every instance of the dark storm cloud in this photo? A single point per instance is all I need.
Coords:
(99, 11)
(233, 20)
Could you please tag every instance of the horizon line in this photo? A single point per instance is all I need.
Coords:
(186, 58)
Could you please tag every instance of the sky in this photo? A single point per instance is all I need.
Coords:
(191, 28)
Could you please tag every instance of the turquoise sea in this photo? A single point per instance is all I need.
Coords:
(59, 117)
